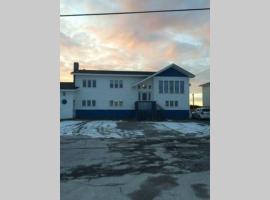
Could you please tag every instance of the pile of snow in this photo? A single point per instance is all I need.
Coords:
(97, 129)
(186, 128)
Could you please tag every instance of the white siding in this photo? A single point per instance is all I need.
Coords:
(183, 99)
(66, 110)
(103, 93)
(206, 95)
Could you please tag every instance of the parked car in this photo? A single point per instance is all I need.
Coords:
(201, 113)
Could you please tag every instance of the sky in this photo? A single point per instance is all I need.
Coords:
(144, 42)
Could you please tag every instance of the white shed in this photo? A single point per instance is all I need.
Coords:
(206, 94)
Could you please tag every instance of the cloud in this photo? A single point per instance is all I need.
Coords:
(135, 42)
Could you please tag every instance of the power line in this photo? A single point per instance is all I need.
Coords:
(134, 12)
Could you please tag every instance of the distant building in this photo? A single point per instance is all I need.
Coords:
(206, 94)
(104, 94)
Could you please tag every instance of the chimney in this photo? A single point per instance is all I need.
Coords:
(75, 67)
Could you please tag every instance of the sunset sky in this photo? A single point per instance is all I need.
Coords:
(145, 42)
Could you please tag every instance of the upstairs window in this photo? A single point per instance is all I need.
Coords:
(89, 83)
(111, 83)
(171, 103)
(94, 83)
(120, 83)
(171, 87)
(93, 102)
(160, 87)
(176, 85)
(116, 83)
(182, 87)
(166, 87)
(175, 103)
(167, 103)
(84, 83)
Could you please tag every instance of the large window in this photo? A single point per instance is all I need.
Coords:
(166, 87)
(160, 87)
(171, 87)
(182, 87)
(176, 87)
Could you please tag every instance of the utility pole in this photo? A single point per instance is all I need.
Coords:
(193, 100)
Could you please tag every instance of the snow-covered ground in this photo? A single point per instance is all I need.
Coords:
(187, 128)
(110, 129)
(97, 129)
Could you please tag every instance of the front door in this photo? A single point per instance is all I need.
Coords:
(144, 96)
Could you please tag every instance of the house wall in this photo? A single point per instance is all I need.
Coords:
(206, 95)
(102, 94)
(66, 110)
(183, 99)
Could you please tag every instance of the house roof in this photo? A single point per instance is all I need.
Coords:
(67, 86)
(205, 84)
(174, 66)
(84, 71)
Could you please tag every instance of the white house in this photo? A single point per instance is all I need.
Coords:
(104, 94)
(206, 94)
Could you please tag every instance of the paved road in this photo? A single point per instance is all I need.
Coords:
(154, 167)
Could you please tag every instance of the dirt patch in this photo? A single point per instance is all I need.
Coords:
(201, 191)
(153, 186)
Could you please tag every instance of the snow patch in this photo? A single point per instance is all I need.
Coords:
(97, 129)
(186, 128)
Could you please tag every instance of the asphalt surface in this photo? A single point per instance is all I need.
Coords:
(156, 166)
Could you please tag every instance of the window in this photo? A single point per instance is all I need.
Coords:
(94, 83)
(111, 103)
(116, 103)
(84, 83)
(120, 83)
(111, 83)
(160, 87)
(176, 86)
(171, 103)
(89, 83)
(93, 102)
(166, 87)
(139, 87)
(182, 87)
(149, 86)
(149, 96)
(116, 83)
(83, 103)
(88, 103)
(139, 96)
(64, 101)
(175, 103)
(120, 103)
(64, 93)
(167, 103)
(171, 87)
